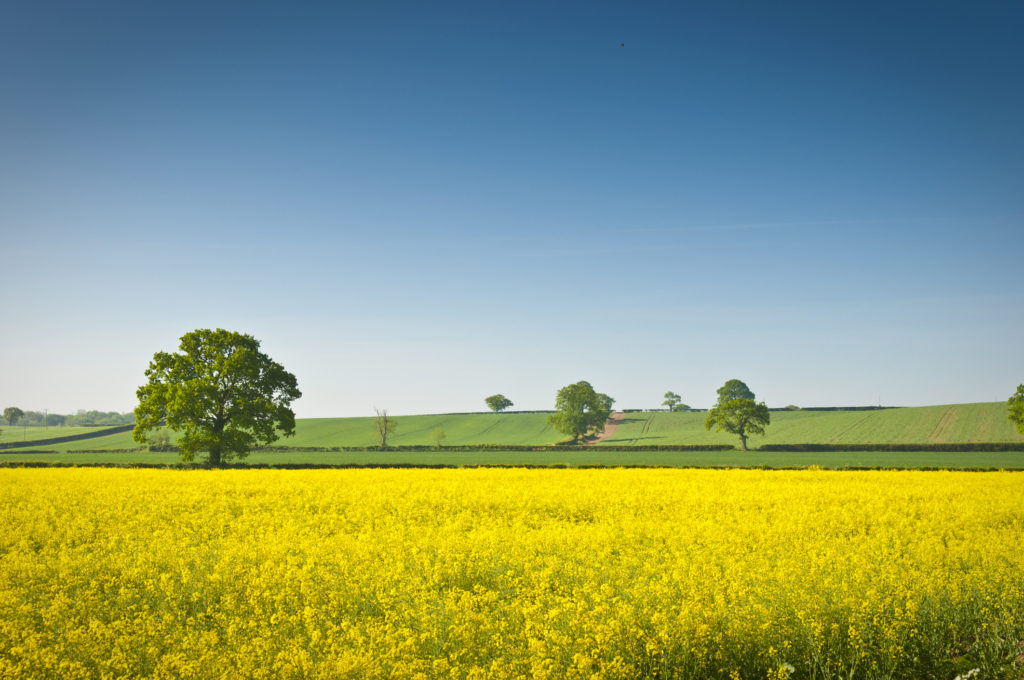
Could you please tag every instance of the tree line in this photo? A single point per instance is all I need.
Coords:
(222, 395)
(15, 416)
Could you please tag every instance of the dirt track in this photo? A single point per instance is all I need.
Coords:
(609, 428)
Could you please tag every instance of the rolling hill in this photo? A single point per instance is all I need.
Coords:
(951, 424)
(957, 423)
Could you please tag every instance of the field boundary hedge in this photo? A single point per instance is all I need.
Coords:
(69, 438)
(496, 447)
(498, 466)
(896, 448)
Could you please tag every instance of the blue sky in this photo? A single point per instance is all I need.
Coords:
(416, 205)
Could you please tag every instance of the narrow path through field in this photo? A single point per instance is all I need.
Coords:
(609, 428)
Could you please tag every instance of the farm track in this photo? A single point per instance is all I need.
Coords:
(609, 428)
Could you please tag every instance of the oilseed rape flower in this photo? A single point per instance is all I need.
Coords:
(461, 574)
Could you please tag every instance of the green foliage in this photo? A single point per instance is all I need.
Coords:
(161, 441)
(438, 436)
(1016, 404)
(385, 425)
(580, 410)
(220, 393)
(12, 414)
(80, 419)
(738, 413)
(498, 402)
(675, 403)
(792, 407)
(734, 389)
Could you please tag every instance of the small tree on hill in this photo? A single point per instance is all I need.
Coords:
(498, 402)
(438, 436)
(12, 414)
(674, 402)
(737, 412)
(385, 425)
(580, 410)
(1016, 404)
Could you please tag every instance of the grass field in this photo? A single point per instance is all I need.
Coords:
(508, 574)
(591, 456)
(529, 429)
(957, 423)
(16, 433)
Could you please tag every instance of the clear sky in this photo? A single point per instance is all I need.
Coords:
(416, 205)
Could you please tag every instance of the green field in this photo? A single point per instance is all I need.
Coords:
(17, 433)
(958, 423)
(588, 456)
(953, 424)
(527, 429)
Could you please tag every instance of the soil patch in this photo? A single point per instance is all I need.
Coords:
(614, 420)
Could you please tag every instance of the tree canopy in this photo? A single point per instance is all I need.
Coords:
(674, 402)
(580, 410)
(1016, 404)
(498, 402)
(734, 389)
(737, 412)
(220, 393)
(12, 414)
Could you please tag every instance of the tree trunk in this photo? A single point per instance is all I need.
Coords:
(215, 454)
(743, 441)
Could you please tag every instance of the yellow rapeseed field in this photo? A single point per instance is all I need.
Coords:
(510, 574)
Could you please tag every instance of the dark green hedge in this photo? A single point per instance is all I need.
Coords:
(968, 446)
(501, 447)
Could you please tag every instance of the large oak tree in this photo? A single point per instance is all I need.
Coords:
(579, 410)
(220, 393)
(737, 412)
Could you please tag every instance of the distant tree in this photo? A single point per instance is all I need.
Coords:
(498, 402)
(54, 420)
(737, 412)
(792, 407)
(385, 425)
(674, 402)
(438, 436)
(580, 410)
(12, 414)
(33, 418)
(161, 441)
(1016, 404)
(220, 393)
